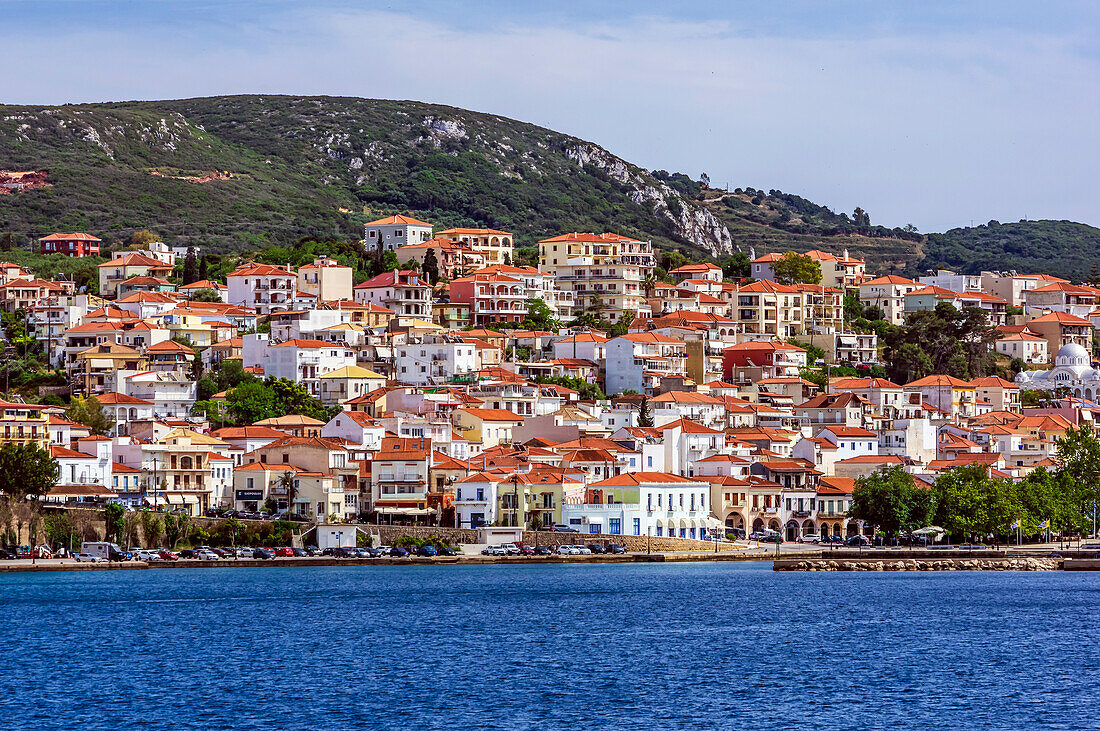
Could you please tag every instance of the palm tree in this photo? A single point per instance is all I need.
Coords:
(286, 483)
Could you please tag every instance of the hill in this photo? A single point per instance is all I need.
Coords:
(777, 221)
(240, 172)
(1063, 248)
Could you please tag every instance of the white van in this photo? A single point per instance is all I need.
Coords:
(106, 551)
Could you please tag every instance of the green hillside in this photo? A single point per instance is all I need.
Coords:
(776, 221)
(321, 167)
(268, 171)
(1064, 248)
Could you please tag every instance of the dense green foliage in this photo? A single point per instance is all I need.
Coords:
(1063, 248)
(795, 268)
(313, 166)
(968, 503)
(945, 340)
(891, 501)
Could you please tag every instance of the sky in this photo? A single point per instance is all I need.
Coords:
(932, 113)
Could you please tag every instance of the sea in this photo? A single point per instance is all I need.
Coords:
(727, 646)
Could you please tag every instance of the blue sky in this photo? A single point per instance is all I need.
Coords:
(931, 113)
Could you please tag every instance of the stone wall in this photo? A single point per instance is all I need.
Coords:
(913, 564)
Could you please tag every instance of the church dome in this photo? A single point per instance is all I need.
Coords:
(1072, 354)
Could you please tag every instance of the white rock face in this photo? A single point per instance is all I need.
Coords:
(691, 220)
(445, 127)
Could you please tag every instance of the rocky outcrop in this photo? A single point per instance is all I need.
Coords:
(918, 564)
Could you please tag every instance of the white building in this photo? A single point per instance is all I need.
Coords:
(298, 360)
(423, 364)
(638, 361)
(643, 503)
(393, 231)
(263, 287)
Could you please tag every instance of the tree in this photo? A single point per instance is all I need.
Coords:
(795, 268)
(205, 387)
(860, 218)
(736, 266)
(204, 270)
(540, 316)
(288, 486)
(430, 266)
(622, 325)
(190, 267)
(886, 499)
(114, 516)
(89, 412)
(251, 401)
(704, 179)
(1079, 455)
(645, 417)
(142, 238)
(206, 294)
(910, 363)
(27, 473)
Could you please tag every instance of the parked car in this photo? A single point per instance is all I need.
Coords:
(809, 538)
(494, 551)
(284, 551)
(596, 548)
(88, 558)
(526, 550)
(263, 553)
(562, 529)
(583, 550)
(398, 552)
(188, 553)
(146, 554)
(244, 552)
(373, 552)
(543, 551)
(429, 551)
(616, 548)
(447, 551)
(299, 552)
(166, 555)
(313, 551)
(6, 555)
(858, 540)
(207, 555)
(510, 548)
(566, 549)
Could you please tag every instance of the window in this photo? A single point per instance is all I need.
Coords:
(637, 526)
(614, 526)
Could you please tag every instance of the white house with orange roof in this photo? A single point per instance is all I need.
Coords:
(299, 360)
(584, 345)
(263, 287)
(658, 504)
(1078, 300)
(1000, 394)
(605, 272)
(703, 408)
(190, 290)
(1027, 346)
(133, 264)
(1013, 287)
(705, 271)
(403, 291)
(888, 294)
(639, 361)
(394, 231)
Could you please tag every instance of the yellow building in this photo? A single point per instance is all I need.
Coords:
(24, 424)
(325, 278)
(605, 272)
(347, 383)
(495, 246)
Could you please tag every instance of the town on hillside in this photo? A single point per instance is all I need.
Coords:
(594, 392)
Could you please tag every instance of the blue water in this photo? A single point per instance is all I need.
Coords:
(724, 646)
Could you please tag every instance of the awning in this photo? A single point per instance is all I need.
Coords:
(390, 510)
(175, 498)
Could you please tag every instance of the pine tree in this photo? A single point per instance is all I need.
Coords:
(645, 418)
(190, 267)
(430, 267)
(204, 270)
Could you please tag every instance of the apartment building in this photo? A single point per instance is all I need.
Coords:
(402, 291)
(888, 294)
(495, 247)
(262, 287)
(639, 361)
(77, 245)
(326, 279)
(605, 272)
(392, 232)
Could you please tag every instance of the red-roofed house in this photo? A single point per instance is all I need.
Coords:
(394, 231)
(263, 287)
(76, 245)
